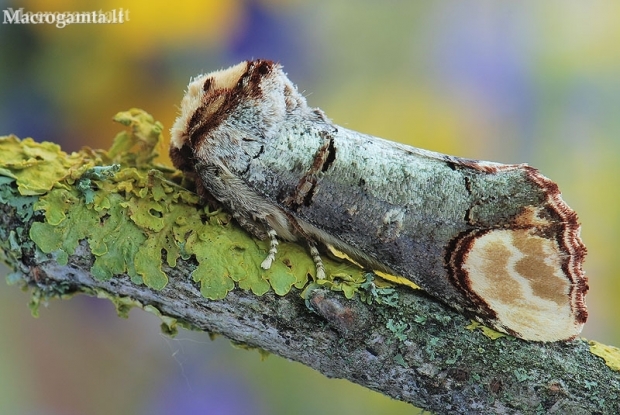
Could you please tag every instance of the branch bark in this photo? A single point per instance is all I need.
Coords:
(415, 349)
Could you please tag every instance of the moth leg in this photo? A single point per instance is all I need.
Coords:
(256, 230)
(273, 250)
(316, 257)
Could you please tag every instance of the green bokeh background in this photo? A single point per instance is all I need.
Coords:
(528, 81)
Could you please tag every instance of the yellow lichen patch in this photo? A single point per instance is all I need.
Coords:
(341, 255)
(610, 354)
(519, 277)
(139, 145)
(388, 277)
(38, 167)
(168, 324)
(396, 279)
(490, 333)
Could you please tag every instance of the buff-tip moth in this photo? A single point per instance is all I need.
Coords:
(494, 241)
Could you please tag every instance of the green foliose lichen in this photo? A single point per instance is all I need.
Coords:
(38, 167)
(136, 219)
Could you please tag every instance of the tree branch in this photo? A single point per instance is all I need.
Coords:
(403, 344)
(417, 351)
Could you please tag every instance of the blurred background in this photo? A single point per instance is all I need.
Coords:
(529, 81)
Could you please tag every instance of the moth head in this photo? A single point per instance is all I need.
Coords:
(247, 99)
(199, 92)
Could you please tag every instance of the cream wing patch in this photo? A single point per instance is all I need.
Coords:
(519, 275)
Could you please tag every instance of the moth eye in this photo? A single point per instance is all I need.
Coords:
(207, 85)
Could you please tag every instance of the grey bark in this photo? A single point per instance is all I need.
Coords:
(415, 349)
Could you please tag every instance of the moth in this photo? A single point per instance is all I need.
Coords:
(494, 241)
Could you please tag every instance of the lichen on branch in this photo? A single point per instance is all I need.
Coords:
(131, 210)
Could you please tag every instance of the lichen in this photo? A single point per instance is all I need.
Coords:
(136, 216)
(610, 354)
(263, 354)
(490, 333)
(40, 295)
(379, 291)
(123, 305)
(38, 167)
(398, 328)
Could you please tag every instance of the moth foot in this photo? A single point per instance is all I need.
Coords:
(316, 257)
(273, 250)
